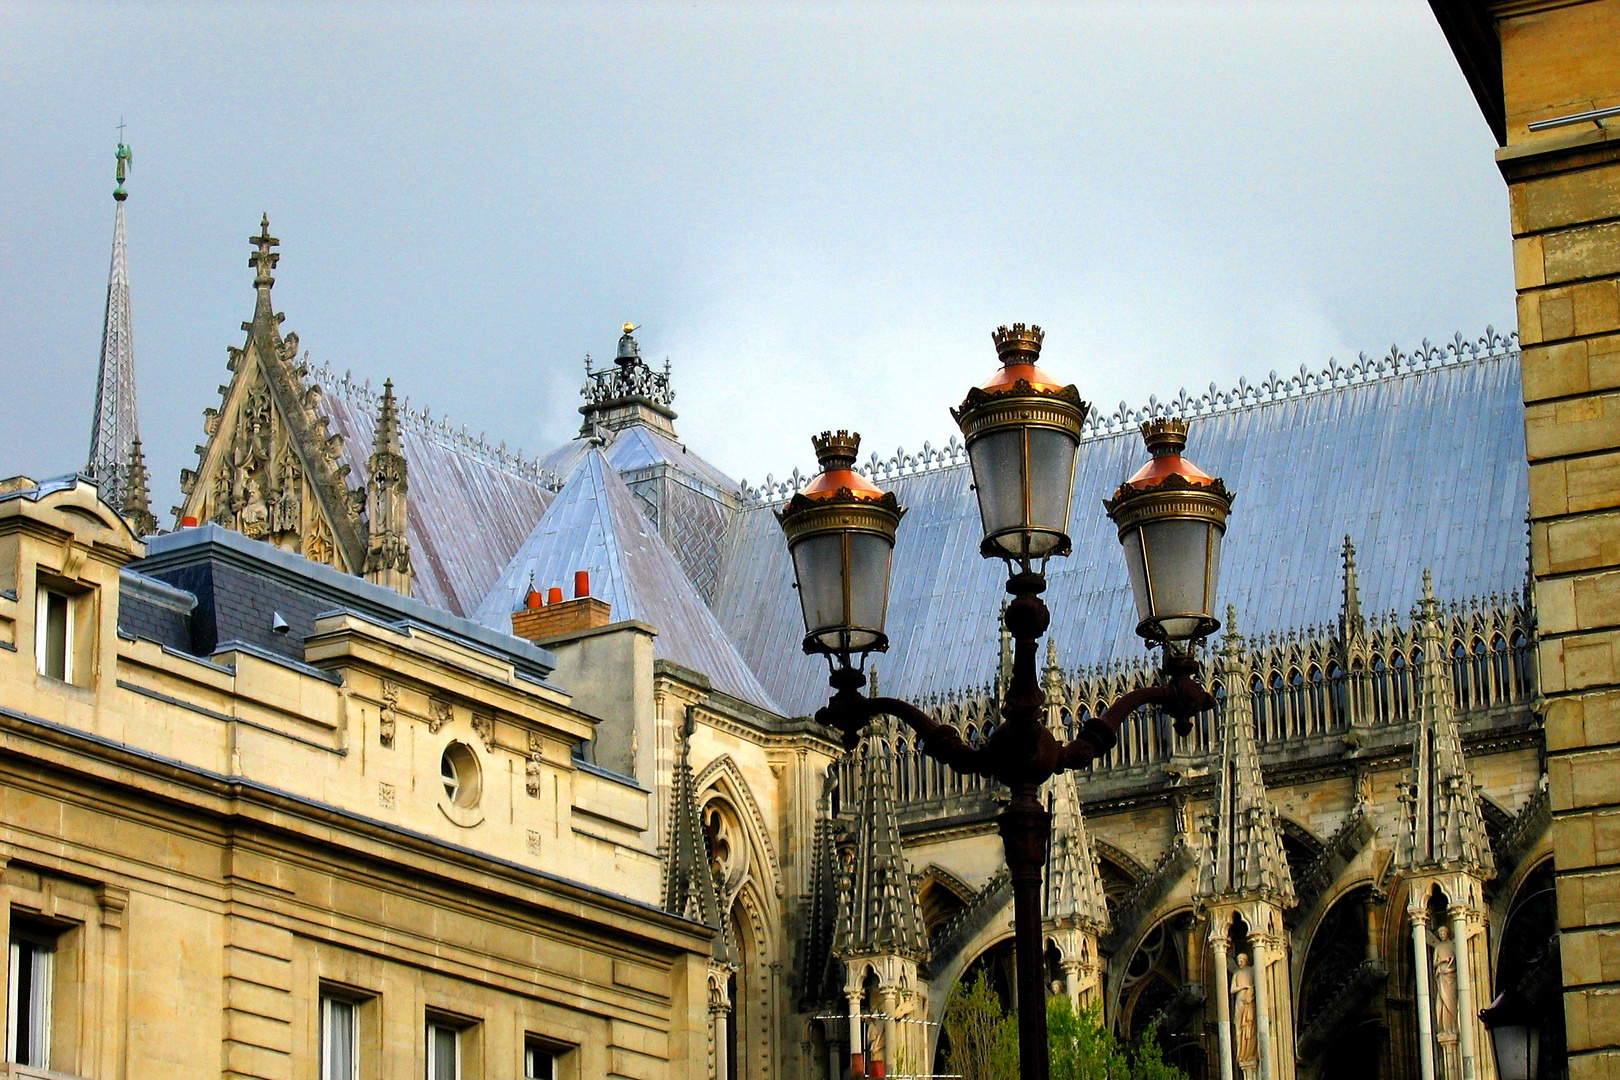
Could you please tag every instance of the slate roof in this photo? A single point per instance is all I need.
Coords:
(595, 524)
(470, 505)
(240, 585)
(1421, 469)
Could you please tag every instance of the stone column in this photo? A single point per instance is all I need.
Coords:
(1223, 1005)
(1260, 946)
(857, 1051)
(1071, 982)
(720, 1062)
(890, 1033)
(1420, 974)
(1466, 1017)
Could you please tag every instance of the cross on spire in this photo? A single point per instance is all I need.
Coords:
(263, 260)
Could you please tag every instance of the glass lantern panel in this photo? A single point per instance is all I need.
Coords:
(818, 563)
(998, 474)
(1051, 484)
(869, 557)
(1132, 542)
(1178, 561)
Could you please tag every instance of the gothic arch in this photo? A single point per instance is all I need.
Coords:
(755, 1000)
(724, 774)
(1354, 877)
(1157, 966)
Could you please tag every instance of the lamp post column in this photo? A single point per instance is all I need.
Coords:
(1025, 828)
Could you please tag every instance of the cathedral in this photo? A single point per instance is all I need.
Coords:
(389, 752)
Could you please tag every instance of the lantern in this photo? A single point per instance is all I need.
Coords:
(1171, 517)
(840, 533)
(1022, 431)
(1515, 1038)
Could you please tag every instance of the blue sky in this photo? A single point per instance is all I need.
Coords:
(817, 211)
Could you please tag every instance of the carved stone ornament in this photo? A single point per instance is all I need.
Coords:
(440, 713)
(386, 716)
(483, 726)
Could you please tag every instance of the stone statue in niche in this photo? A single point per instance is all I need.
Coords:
(1245, 1034)
(1445, 1001)
(255, 512)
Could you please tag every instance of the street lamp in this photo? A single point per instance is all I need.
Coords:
(1023, 433)
(840, 533)
(1171, 517)
(1515, 1038)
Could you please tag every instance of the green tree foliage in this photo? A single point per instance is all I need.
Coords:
(983, 1041)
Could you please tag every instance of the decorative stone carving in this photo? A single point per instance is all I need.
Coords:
(440, 713)
(531, 776)
(386, 714)
(483, 726)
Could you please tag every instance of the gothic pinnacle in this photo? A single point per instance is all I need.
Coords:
(137, 508)
(263, 260)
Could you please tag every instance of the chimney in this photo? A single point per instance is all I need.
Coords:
(559, 617)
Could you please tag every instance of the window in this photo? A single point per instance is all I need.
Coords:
(53, 635)
(458, 768)
(443, 1052)
(28, 1008)
(539, 1063)
(340, 1038)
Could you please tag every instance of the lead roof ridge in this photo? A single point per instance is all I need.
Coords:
(1213, 401)
(458, 440)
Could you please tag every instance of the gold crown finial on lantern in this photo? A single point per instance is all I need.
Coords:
(836, 449)
(1165, 436)
(1018, 344)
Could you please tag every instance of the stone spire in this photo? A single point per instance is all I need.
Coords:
(1442, 827)
(628, 393)
(1351, 622)
(879, 910)
(113, 428)
(690, 889)
(1243, 854)
(388, 554)
(1074, 892)
(816, 970)
(137, 508)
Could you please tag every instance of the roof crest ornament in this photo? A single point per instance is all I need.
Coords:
(1490, 345)
(421, 422)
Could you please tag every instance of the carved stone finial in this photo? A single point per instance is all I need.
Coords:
(137, 508)
(263, 260)
(388, 554)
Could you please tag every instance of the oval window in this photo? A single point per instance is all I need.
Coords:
(458, 768)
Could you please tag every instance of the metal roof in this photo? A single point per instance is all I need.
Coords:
(640, 447)
(470, 505)
(1425, 468)
(594, 524)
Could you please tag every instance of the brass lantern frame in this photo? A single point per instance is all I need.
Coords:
(1170, 499)
(1023, 407)
(842, 513)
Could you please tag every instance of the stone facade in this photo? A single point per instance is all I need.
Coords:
(1536, 69)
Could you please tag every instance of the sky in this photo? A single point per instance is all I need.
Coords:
(817, 212)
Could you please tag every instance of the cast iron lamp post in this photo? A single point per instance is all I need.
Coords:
(1023, 434)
